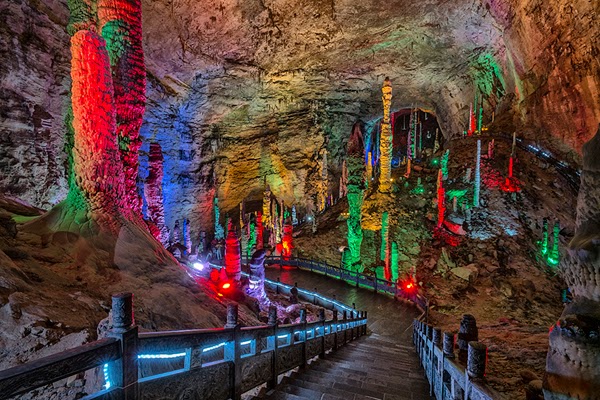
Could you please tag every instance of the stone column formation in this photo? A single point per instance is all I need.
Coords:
(154, 196)
(233, 261)
(96, 164)
(266, 213)
(385, 141)
(356, 186)
(477, 183)
(287, 240)
(120, 22)
(574, 352)
(256, 287)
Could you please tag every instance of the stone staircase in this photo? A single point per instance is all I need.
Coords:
(365, 369)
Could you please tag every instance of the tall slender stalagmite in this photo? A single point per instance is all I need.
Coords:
(154, 196)
(120, 22)
(356, 187)
(385, 141)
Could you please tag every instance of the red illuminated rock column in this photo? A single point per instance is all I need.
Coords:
(120, 22)
(233, 261)
(286, 242)
(441, 199)
(95, 153)
(259, 232)
(154, 195)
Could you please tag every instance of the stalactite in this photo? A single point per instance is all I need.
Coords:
(477, 182)
(233, 262)
(356, 186)
(385, 141)
(120, 22)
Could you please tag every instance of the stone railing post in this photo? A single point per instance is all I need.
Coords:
(476, 360)
(437, 337)
(272, 321)
(335, 330)
(303, 337)
(448, 345)
(322, 320)
(233, 351)
(345, 322)
(467, 333)
(124, 376)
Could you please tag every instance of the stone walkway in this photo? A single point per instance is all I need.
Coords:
(382, 365)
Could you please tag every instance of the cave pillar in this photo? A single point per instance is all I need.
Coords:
(477, 183)
(266, 208)
(120, 22)
(385, 141)
(574, 345)
(356, 186)
(287, 240)
(97, 171)
(233, 261)
(153, 194)
(259, 232)
(256, 281)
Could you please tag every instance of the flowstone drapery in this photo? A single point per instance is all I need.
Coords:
(572, 370)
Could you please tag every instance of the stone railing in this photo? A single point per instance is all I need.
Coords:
(447, 378)
(211, 364)
(353, 278)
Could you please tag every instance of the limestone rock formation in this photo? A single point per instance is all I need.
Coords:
(574, 353)
(154, 195)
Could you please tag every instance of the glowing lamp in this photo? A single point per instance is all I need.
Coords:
(198, 266)
(226, 286)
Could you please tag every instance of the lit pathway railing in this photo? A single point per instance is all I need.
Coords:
(354, 278)
(211, 364)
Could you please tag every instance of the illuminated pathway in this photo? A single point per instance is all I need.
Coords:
(383, 365)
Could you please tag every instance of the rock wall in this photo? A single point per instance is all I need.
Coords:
(243, 91)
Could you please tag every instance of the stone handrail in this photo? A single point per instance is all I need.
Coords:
(447, 378)
(208, 363)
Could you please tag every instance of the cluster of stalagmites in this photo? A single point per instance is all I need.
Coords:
(573, 362)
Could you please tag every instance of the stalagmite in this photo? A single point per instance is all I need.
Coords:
(251, 243)
(259, 231)
(256, 280)
(441, 199)
(369, 168)
(219, 231)
(344, 180)
(544, 243)
(385, 141)
(287, 240)
(444, 164)
(573, 357)
(394, 262)
(477, 182)
(187, 239)
(120, 22)
(266, 207)
(233, 261)
(385, 246)
(294, 215)
(154, 195)
(472, 128)
(356, 186)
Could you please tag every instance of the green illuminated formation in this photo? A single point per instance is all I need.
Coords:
(219, 231)
(554, 256)
(356, 187)
(445, 164)
(251, 245)
(477, 182)
(544, 243)
(394, 258)
(384, 235)
(480, 118)
(419, 189)
(385, 141)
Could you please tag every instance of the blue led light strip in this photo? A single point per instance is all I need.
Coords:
(159, 356)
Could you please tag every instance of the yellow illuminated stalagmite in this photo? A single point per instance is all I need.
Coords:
(385, 142)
